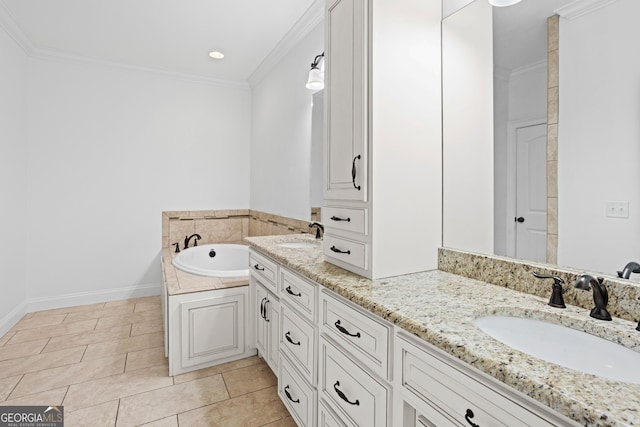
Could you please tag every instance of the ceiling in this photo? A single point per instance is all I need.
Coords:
(169, 35)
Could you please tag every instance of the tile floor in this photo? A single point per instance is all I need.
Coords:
(105, 364)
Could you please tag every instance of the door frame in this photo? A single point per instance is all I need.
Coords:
(512, 129)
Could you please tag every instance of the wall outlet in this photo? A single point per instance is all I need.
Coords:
(618, 209)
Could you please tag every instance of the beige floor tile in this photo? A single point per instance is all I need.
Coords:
(7, 385)
(146, 358)
(132, 301)
(146, 327)
(249, 379)
(218, 369)
(39, 362)
(71, 374)
(165, 422)
(96, 314)
(103, 415)
(158, 404)
(50, 398)
(6, 337)
(28, 316)
(86, 338)
(146, 306)
(28, 348)
(284, 422)
(124, 345)
(253, 409)
(37, 322)
(53, 331)
(144, 316)
(74, 309)
(117, 386)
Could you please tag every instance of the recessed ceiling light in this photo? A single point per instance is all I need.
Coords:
(503, 3)
(216, 55)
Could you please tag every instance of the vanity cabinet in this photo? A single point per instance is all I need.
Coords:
(382, 136)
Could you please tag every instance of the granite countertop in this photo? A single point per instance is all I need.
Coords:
(180, 282)
(440, 307)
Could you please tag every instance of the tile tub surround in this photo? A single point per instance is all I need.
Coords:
(624, 296)
(440, 307)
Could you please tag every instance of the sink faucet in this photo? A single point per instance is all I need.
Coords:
(600, 295)
(319, 229)
(195, 242)
(631, 267)
(556, 299)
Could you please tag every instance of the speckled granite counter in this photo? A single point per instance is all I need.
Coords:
(440, 307)
(179, 282)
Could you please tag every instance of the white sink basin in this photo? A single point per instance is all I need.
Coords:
(564, 346)
(297, 245)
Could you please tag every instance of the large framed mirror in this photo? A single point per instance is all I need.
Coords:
(543, 166)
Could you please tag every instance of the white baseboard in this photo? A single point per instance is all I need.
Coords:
(12, 318)
(83, 298)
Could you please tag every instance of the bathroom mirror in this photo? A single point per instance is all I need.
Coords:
(495, 97)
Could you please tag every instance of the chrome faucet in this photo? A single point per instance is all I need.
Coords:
(631, 267)
(195, 242)
(600, 295)
(319, 229)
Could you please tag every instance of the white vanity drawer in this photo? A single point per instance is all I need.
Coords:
(266, 269)
(326, 417)
(345, 219)
(361, 334)
(298, 292)
(298, 396)
(426, 375)
(345, 250)
(356, 396)
(298, 341)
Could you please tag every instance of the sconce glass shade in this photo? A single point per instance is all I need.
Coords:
(503, 3)
(316, 79)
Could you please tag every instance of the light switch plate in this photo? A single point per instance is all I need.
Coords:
(618, 209)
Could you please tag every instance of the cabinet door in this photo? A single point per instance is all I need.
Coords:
(212, 329)
(346, 100)
(261, 325)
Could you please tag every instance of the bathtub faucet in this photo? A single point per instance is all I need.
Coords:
(195, 242)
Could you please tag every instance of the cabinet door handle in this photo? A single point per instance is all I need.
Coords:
(344, 331)
(286, 391)
(290, 292)
(262, 303)
(468, 417)
(353, 172)
(336, 218)
(288, 337)
(265, 309)
(257, 267)
(343, 396)
(338, 251)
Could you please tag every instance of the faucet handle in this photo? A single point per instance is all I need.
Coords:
(177, 245)
(556, 299)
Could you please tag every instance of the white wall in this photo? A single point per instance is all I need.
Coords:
(599, 138)
(109, 149)
(13, 181)
(281, 133)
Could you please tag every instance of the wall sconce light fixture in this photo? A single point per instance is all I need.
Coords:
(316, 74)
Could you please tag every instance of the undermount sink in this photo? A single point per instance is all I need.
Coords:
(297, 245)
(564, 346)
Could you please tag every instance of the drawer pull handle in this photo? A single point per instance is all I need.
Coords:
(290, 292)
(338, 251)
(343, 396)
(467, 417)
(344, 331)
(288, 337)
(353, 172)
(335, 218)
(262, 308)
(286, 391)
(257, 267)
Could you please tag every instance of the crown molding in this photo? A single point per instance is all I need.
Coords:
(580, 8)
(309, 20)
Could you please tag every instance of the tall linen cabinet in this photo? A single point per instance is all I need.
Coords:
(383, 136)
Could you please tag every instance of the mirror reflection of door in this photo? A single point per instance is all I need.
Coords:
(531, 192)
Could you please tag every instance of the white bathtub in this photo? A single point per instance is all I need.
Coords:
(214, 260)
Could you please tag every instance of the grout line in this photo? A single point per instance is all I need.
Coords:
(115, 421)
(65, 394)
(14, 387)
